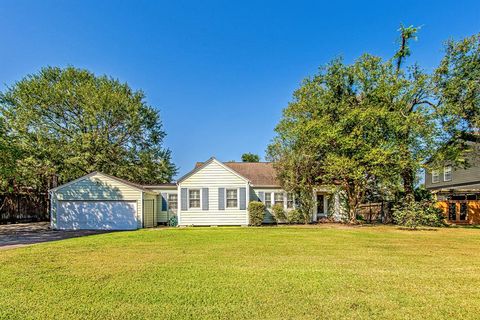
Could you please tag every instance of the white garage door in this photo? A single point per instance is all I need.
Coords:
(93, 215)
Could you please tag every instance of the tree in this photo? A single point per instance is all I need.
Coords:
(334, 131)
(250, 157)
(411, 118)
(70, 122)
(10, 152)
(457, 86)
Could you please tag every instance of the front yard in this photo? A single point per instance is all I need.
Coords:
(244, 273)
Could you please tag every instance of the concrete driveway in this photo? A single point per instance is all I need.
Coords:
(24, 234)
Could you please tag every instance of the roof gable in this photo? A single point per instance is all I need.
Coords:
(200, 165)
(258, 173)
(97, 173)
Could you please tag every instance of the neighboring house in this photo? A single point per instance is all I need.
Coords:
(213, 193)
(457, 189)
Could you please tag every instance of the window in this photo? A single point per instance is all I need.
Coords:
(172, 201)
(268, 199)
(289, 200)
(435, 176)
(278, 198)
(452, 211)
(447, 173)
(463, 211)
(194, 198)
(232, 198)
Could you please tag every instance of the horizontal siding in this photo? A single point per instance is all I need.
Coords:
(459, 175)
(99, 187)
(163, 216)
(213, 176)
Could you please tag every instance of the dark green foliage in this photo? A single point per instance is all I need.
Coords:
(173, 221)
(414, 214)
(69, 122)
(250, 157)
(256, 212)
(457, 85)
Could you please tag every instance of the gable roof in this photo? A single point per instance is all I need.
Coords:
(258, 173)
(91, 174)
(201, 165)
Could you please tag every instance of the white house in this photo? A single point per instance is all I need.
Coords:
(213, 193)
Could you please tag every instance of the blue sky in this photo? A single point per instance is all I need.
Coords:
(220, 72)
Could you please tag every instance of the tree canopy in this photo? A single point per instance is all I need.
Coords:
(457, 85)
(250, 157)
(69, 122)
(371, 123)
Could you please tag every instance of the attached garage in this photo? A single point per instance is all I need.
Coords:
(101, 202)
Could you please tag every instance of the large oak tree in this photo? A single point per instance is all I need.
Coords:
(69, 122)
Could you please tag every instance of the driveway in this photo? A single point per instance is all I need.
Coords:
(23, 234)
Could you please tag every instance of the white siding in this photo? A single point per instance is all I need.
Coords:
(163, 216)
(213, 176)
(97, 187)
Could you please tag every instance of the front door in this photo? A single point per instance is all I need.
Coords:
(320, 205)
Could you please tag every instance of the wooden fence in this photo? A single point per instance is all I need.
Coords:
(28, 207)
(374, 212)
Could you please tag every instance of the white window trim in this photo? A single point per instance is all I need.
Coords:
(435, 173)
(265, 199)
(168, 201)
(283, 198)
(272, 198)
(238, 198)
(188, 198)
(445, 173)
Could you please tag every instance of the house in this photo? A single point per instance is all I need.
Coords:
(457, 189)
(213, 193)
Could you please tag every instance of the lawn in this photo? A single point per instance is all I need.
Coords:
(244, 273)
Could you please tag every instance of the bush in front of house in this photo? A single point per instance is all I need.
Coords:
(256, 212)
(173, 221)
(295, 216)
(279, 213)
(418, 213)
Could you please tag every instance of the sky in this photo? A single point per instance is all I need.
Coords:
(219, 72)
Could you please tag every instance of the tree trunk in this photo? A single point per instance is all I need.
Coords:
(408, 177)
(353, 200)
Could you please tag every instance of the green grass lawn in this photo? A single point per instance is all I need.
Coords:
(263, 273)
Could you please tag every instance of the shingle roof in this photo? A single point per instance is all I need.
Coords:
(259, 173)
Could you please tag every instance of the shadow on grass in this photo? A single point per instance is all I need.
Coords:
(418, 229)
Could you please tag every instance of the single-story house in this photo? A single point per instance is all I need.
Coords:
(213, 193)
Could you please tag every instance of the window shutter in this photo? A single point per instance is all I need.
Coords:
(261, 196)
(243, 198)
(221, 198)
(204, 198)
(164, 202)
(184, 199)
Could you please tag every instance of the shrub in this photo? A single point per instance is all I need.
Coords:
(172, 222)
(279, 213)
(295, 216)
(418, 213)
(256, 212)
